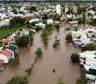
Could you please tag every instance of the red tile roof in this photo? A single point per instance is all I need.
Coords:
(5, 41)
(6, 52)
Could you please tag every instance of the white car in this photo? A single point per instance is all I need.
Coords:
(90, 71)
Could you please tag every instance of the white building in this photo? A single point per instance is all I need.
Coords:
(58, 9)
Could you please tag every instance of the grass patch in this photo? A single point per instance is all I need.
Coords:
(6, 32)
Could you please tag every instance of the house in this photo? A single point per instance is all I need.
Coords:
(4, 59)
(5, 41)
(6, 55)
(49, 21)
(66, 9)
(13, 48)
(4, 22)
(84, 37)
(75, 8)
(58, 9)
(87, 57)
(40, 25)
(73, 23)
(34, 20)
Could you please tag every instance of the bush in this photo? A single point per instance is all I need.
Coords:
(22, 41)
(91, 46)
(80, 20)
(57, 26)
(39, 52)
(81, 10)
(61, 82)
(75, 28)
(14, 11)
(55, 17)
(69, 19)
(75, 58)
(14, 62)
(81, 80)
(17, 21)
(18, 80)
(33, 23)
(29, 71)
(56, 43)
(32, 9)
(68, 38)
(49, 27)
(93, 22)
(31, 37)
(44, 37)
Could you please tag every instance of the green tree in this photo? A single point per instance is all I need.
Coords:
(75, 28)
(93, 22)
(81, 10)
(33, 8)
(39, 52)
(14, 11)
(44, 37)
(31, 36)
(55, 17)
(75, 58)
(29, 71)
(17, 21)
(56, 43)
(18, 80)
(49, 28)
(22, 41)
(68, 38)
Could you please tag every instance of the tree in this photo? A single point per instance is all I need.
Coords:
(80, 20)
(75, 28)
(75, 58)
(56, 43)
(44, 37)
(33, 8)
(29, 71)
(17, 21)
(39, 52)
(31, 36)
(84, 18)
(55, 17)
(45, 16)
(14, 11)
(68, 38)
(18, 80)
(22, 41)
(93, 22)
(81, 10)
(81, 80)
(49, 27)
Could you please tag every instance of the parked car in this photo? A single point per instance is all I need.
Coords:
(90, 71)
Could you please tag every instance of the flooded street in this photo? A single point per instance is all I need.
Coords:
(58, 59)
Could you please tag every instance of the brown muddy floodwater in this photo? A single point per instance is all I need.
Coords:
(58, 59)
